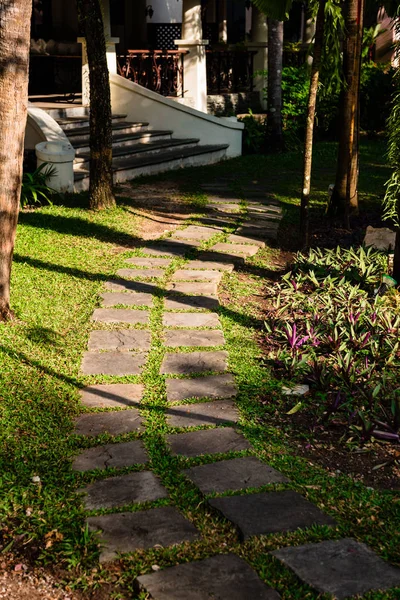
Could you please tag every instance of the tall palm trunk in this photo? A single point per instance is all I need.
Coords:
(345, 196)
(309, 134)
(101, 180)
(274, 141)
(15, 21)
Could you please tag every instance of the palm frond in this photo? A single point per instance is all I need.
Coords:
(276, 9)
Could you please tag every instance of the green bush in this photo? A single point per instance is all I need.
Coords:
(376, 92)
(254, 134)
(35, 189)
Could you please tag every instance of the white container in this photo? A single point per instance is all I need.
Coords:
(61, 156)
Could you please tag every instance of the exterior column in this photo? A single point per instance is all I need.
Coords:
(259, 43)
(195, 74)
(110, 50)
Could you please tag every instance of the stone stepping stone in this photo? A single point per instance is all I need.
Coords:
(252, 235)
(192, 303)
(207, 441)
(174, 248)
(127, 532)
(191, 320)
(116, 492)
(270, 512)
(197, 275)
(342, 568)
(128, 339)
(208, 256)
(233, 475)
(218, 221)
(195, 232)
(257, 209)
(184, 363)
(140, 273)
(120, 315)
(187, 287)
(213, 386)
(191, 338)
(219, 577)
(150, 263)
(225, 208)
(236, 249)
(139, 287)
(209, 265)
(112, 363)
(240, 239)
(224, 199)
(114, 423)
(111, 456)
(218, 412)
(112, 395)
(138, 299)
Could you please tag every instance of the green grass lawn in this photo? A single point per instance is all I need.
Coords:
(62, 258)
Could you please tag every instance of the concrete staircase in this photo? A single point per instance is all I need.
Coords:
(137, 149)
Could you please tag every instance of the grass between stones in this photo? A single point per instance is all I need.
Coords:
(63, 258)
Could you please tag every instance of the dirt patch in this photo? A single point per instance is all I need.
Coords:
(161, 208)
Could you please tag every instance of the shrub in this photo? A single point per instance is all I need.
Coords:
(328, 326)
(254, 134)
(35, 189)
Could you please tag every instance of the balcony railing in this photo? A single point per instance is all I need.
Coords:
(230, 71)
(158, 70)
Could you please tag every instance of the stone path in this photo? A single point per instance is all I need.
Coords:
(195, 390)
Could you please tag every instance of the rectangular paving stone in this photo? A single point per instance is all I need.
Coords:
(224, 208)
(127, 531)
(194, 232)
(233, 249)
(212, 386)
(200, 289)
(233, 475)
(180, 363)
(125, 339)
(273, 512)
(119, 491)
(151, 263)
(208, 255)
(191, 303)
(221, 221)
(342, 568)
(219, 577)
(253, 234)
(240, 239)
(207, 441)
(209, 265)
(112, 363)
(218, 412)
(192, 338)
(139, 287)
(112, 395)
(110, 456)
(196, 275)
(114, 423)
(191, 320)
(120, 315)
(140, 273)
(130, 299)
(173, 248)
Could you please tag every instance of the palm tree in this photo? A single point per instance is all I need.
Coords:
(15, 19)
(101, 178)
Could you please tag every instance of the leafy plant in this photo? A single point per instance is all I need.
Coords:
(254, 134)
(327, 326)
(35, 189)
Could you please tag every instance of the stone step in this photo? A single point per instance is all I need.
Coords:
(121, 140)
(82, 135)
(77, 122)
(130, 168)
(137, 150)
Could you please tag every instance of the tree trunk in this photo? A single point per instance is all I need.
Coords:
(309, 134)
(345, 196)
(15, 22)
(101, 179)
(274, 141)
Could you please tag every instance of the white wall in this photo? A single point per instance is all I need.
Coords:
(141, 104)
(165, 11)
